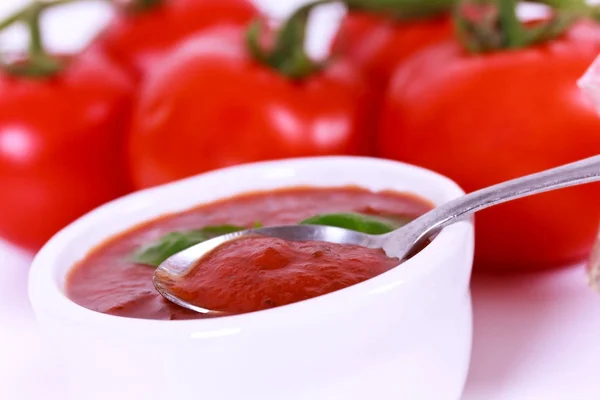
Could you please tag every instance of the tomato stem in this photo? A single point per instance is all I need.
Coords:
(564, 4)
(12, 19)
(38, 62)
(511, 25)
(36, 44)
(402, 9)
(577, 8)
(488, 25)
(135, 6)
(288, 55)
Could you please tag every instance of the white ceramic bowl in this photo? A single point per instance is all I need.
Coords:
(405, 334)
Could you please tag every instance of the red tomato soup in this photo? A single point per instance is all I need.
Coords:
(243, 275)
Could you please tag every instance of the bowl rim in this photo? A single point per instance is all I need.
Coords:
(47, 297)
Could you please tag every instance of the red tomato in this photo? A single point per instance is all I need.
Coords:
(61, 151)
(137, 40)
(483, 119)
(209, 105)
(377, 44)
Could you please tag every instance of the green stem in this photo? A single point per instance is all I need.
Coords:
(58, 3)
(496, 24)
(38, 62)
(402, 9)
(21, 15)
(136, 6)
(288, 55)
(36, 43)
(595, 13)
(510, 24)
(253, 42)
(12, 19)
(564, 4)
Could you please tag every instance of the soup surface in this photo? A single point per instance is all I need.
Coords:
(254, 273)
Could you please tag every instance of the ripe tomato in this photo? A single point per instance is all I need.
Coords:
(483, 119)
(137, 40)
(210, 105)
(377, 44)
(61, 150)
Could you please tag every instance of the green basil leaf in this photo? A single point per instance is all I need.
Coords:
(158, 251)
(371, 224)
(155, 253)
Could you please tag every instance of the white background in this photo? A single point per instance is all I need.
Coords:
(537, 337)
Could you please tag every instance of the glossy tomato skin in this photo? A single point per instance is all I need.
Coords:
(61, 146)
(137, 40)
(483, 119)
(208, 105)
(377, 44)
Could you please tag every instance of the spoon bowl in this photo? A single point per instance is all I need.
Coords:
(181, 263)
(400, 243)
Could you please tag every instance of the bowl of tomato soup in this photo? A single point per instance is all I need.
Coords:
(305, 320)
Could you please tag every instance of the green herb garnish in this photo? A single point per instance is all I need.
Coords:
(371, 224)
(164, 247)
(174, 242)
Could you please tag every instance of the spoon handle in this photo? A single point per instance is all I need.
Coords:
(577, 173)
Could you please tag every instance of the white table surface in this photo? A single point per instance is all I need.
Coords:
(537, 337)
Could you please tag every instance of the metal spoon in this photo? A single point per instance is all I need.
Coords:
(399, 243)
